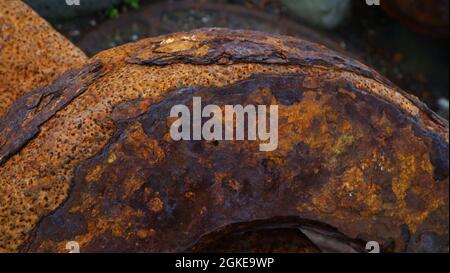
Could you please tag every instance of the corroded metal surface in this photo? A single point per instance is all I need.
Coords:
(355, 153)
(424, 16)
(36, 107)
(32, 53)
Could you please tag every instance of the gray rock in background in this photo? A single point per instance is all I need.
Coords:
(443, 107)
(60, 9)
(326, 14)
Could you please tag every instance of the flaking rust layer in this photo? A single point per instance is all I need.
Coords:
(97, 165)
(32, 53)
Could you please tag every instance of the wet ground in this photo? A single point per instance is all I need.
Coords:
(416, 63)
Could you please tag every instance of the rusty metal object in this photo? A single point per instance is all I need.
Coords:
(168, 17)
(32, 53)
(429, 17)
(356, 154)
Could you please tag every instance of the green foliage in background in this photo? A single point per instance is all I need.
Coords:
(132, 3)
(113, 12)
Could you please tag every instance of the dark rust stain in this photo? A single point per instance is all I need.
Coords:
(355, 163)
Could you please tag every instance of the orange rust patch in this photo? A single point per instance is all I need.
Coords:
(32, 53)
(155, 204)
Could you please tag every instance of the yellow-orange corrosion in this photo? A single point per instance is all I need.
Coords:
(355, 152)
(32, 53)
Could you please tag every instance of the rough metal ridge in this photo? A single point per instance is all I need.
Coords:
(32, 53)
(356, 155)
(36, 107)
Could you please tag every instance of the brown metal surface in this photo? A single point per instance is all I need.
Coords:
(355, 153)
(429, 17)
(32, 53)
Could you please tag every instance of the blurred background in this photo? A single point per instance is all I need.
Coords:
(405, 40)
